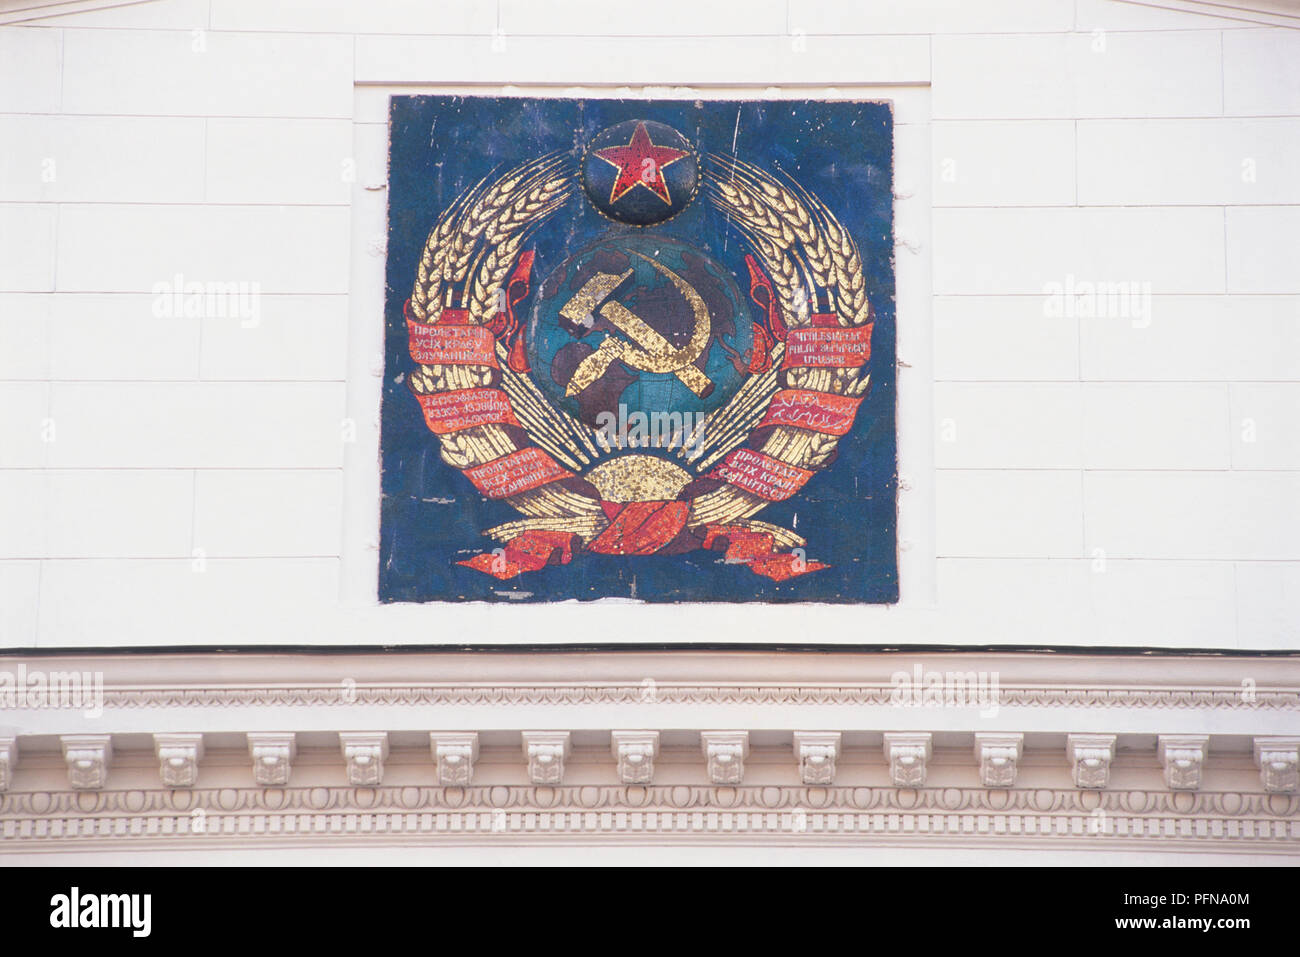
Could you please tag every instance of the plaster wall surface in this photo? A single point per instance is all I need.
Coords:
(1072, 478)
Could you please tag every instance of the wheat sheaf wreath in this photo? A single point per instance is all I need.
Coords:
(577, 492)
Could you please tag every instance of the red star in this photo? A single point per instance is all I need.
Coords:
(640, 163)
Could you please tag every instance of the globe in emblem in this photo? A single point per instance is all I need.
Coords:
(639, 324)
(640, 172)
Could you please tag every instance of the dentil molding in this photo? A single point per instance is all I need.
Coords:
(1039, 817)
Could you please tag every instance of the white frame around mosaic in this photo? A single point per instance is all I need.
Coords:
(543, 624)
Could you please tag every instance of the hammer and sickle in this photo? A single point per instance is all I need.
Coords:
(648, 350)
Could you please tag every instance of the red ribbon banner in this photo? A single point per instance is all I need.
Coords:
(452, 342)
(640, 528)
(761, 474)
(827, 344)
(515, 473)
(745, 546)
(808, 409)
(644, 528)
(528, 552)
(465, 408)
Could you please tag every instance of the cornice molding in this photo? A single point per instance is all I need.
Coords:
(789, 707)
(251, 667)
(1237, 684)
(881, 695)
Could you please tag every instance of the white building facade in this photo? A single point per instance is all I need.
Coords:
(1093, 656)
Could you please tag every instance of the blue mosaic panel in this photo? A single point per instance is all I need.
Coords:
(639, 349)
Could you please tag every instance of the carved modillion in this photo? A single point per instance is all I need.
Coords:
(999, 758)
(1278, 760)
(88, 757)
(909, 756)
(1090, 758)
(272, 756)
(635, 752)
(455, 753)
(178, 758)
(817, 752)
(545, 752)
(364, 754)
(8, 760)
(1183, 757)
(724, 754)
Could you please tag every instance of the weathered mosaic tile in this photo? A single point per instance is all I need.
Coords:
(639, 349)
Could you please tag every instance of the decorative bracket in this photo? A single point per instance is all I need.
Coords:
(546, 751)
(8, 759)
(998, 756)
(178, 758)
(455, 754)
(1090, 758)
(272, 756)
(1183, 756)
(1279, 763)
(88, 757)
(908, 755)
(817, 752)
(725, 753)
(635, 752)
(364, 753)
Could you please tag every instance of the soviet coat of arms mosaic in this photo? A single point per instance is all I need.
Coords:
(639, 349)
